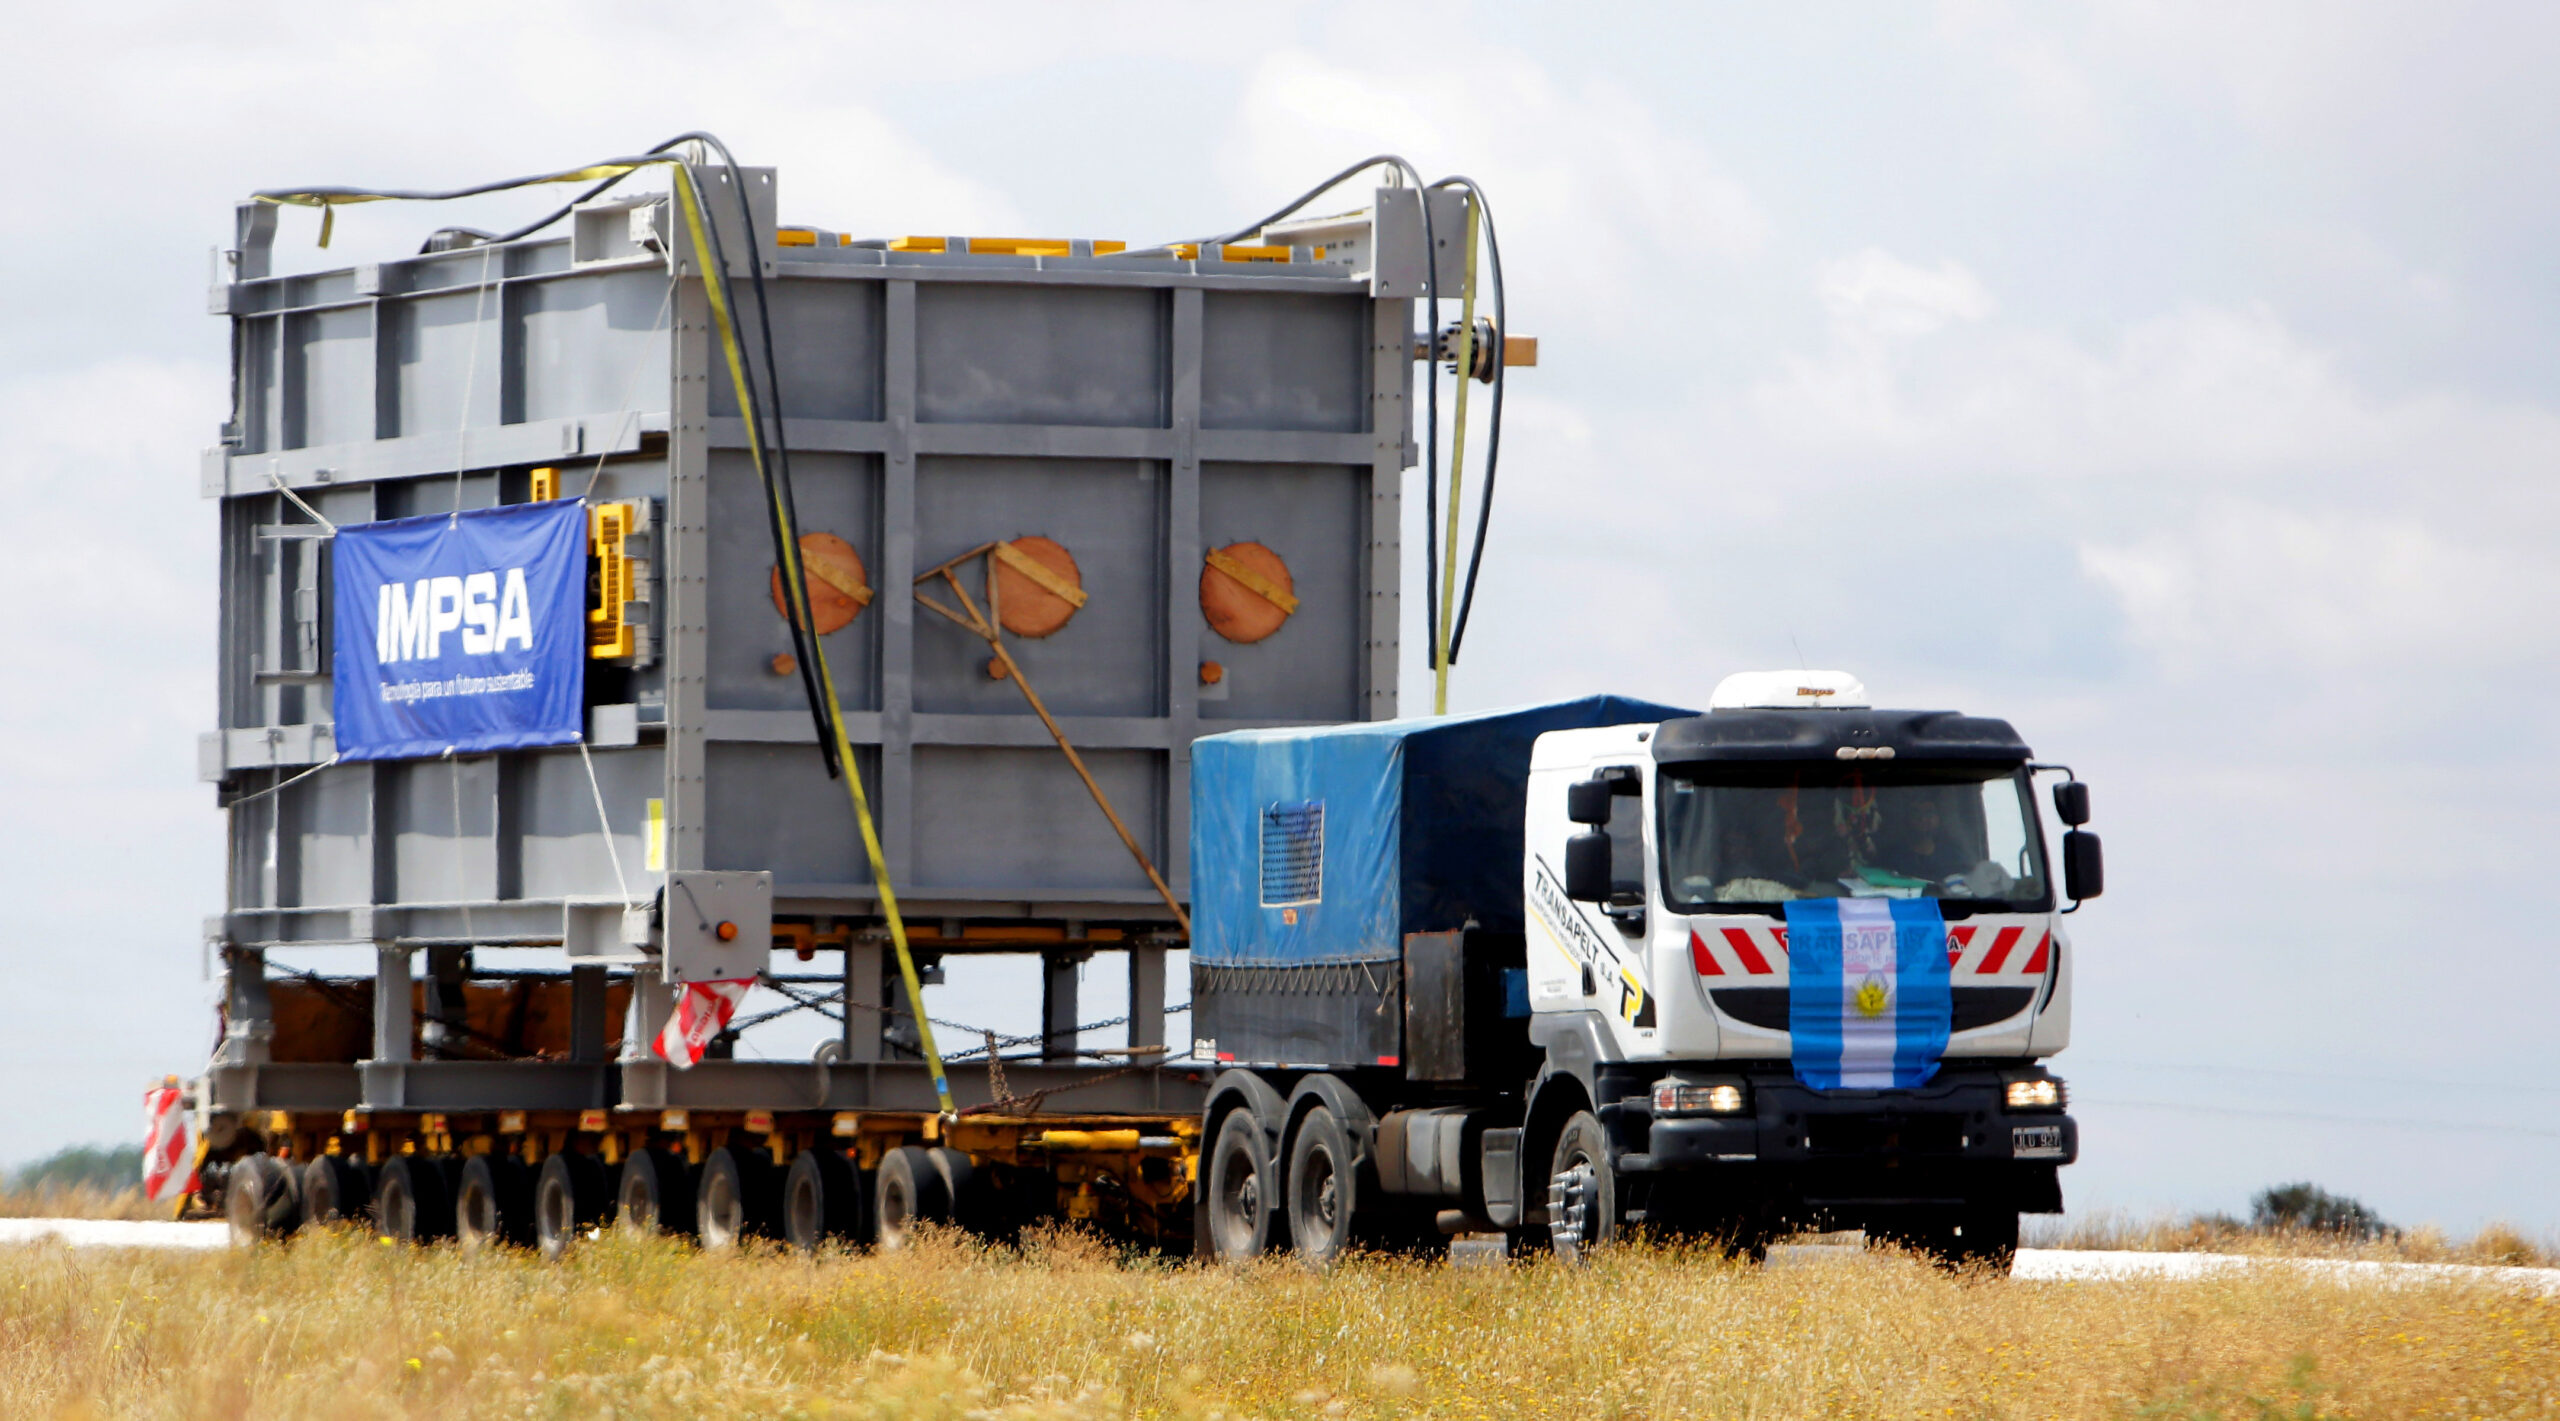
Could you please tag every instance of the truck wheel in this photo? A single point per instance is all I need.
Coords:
(656, 1194)
(569, 1197)
(494, 1203)
(1240, 1192)
(910, 1191)
(334, 1187)
(262, 1200)
(1323, 1187)
(410, 1201)
(735, 1198)
(821, 1200)
(1582, 1190)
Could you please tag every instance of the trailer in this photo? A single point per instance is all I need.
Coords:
(621, 614)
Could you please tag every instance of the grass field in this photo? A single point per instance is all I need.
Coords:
(340, 1326)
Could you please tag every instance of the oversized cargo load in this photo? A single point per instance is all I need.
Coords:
(1320, 854)
(1169, 477)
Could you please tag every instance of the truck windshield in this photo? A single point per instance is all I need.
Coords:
(1746, 837)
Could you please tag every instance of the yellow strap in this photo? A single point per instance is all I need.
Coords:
(1254, 582)
(714, 286)
(841, 578)
(1039, 573)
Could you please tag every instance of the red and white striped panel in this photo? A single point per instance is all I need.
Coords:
(2010, 950)
(1973, 949)
(702, 1011)
(168, 1146)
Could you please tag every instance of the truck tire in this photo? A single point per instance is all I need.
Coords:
(1323, 1187)
(910, 1191)
(1582, 1190)
(261, 1200)
(1240, 1192)
(821, 1200)
(735, 1199)
(655, 1194)
(569, 1197)
(334, 1187)
(411, 1202)
(494, 1203)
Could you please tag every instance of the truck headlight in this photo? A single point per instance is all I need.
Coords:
(2036, 1093)
(1674, 1096)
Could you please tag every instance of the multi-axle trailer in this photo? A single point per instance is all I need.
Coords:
(1138, 495)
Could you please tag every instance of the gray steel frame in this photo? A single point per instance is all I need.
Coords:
(303, 410)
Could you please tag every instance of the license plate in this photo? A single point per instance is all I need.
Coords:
(2035, 1142)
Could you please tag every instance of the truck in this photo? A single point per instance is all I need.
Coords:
(658, 619)
(1557, 973)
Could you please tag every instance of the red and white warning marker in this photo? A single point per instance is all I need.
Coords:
(168, 1144)
(702, 1011)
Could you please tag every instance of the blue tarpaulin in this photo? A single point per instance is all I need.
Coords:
(1327, 845)
(1868, 1001)
(461, 633)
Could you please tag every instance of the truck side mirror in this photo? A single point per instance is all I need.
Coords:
(2071, 802)
(2084, 872)
(1587, 801)
(1586, 865)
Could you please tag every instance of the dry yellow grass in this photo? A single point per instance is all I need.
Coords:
(79, 1202)
(338, 1326)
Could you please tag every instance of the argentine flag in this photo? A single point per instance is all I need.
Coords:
(1867, 997)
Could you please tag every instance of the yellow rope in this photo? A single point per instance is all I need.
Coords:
(714, 287)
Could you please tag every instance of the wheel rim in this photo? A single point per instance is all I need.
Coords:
(1572, 1200)
(476, 1219)
(399, 1211)
(1321, 1193)
(721, 1215)
(1240, 1202)
(552, 1219)
(800, 1215)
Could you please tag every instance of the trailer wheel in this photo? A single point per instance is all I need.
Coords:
(494, 1203)
(334, 1187)
(656, 1194)
(569, 1196)
(1241, 1196)
(910, 1191)
(1582, 1190)
(735, 1198)
(262, 1199)
(410, 1201)
(821, 1200)
(1323, 1187)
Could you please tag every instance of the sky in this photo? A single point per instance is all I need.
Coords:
(2174, 380)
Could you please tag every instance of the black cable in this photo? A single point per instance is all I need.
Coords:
(1493, 435)
(780, 508)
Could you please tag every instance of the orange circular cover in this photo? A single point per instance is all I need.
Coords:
(1025, 607)
(1238, 612)
(838, 586)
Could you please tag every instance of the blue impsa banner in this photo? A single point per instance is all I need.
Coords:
(1868, 1003)
(461, 634)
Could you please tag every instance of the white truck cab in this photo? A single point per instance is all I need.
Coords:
(1658, 867)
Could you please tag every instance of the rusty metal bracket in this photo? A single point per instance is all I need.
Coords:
(988, 626)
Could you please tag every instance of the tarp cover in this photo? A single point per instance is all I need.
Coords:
(1326, 846)
(461, 633)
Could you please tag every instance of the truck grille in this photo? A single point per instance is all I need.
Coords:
(1884, 1134)
(1766, 1007)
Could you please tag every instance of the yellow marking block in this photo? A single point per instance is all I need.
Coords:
(1254, 582)
(1040, 574)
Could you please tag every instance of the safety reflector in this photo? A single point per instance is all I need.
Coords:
(168, 1146)
(701, 1013)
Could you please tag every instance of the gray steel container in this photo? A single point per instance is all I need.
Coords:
(1140, 411)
